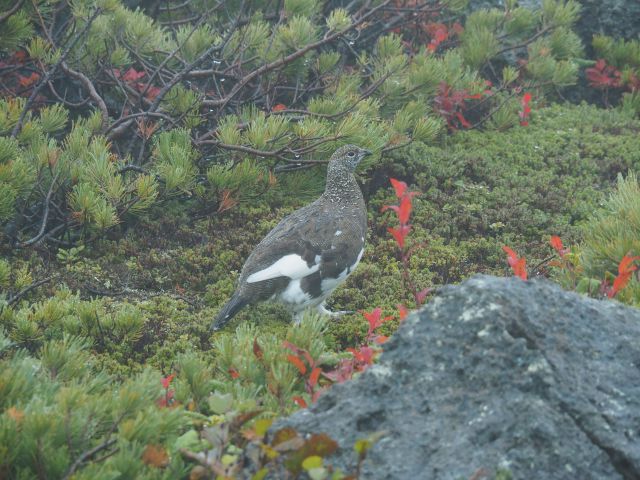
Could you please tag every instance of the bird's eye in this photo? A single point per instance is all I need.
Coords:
(351, 154)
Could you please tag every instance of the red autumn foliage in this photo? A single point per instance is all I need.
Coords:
(526, 109)
(279, 107)
(298, 400)
(131, 77)
(167, 399)
(603, 76)
(438, 33)
(298, 363)
(556, 243)
(451, 104)
(402, 312)
(517, 264)
(400, 233)
(26, 82)
(166, 381)
(625, 271)
(375, 320)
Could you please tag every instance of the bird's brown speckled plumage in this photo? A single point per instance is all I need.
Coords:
(327, 234)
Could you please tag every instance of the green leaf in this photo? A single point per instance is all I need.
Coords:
(220, 402)
(313, 461)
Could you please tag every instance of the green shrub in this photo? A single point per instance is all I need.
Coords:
(169, 108)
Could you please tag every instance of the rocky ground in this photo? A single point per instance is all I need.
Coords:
(496, 375)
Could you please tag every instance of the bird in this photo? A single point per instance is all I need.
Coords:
(310, 252)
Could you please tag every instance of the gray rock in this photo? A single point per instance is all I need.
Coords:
(496, 373)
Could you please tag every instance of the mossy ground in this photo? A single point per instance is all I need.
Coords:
(478, 191)
(92, 344)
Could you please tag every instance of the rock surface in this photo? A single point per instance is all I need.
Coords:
(496, 373)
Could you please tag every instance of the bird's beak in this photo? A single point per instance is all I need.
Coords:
(366, 153)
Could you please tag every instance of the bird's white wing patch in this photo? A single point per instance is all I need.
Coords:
(292, 266)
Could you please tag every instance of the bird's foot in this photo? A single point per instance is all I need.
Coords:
(323, 311)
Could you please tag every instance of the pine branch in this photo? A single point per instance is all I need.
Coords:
(51, 72)
(5, 15)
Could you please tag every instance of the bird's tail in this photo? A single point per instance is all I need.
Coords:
(233, 306)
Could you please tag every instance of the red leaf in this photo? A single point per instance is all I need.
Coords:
(399, 234)
(299, 401)
(421, 295)
(463, 121)
(520, 269)
(526, 109)
(399, 186)
(28, 81)
(512, 256)
(556, 243)
(152, 92)
(373, 318)
(395, 208)
(603, 76)
(298, 363)
(404, 211)
(132, 75)
(279, 107)
(402, 312)
(166, 381)
(380, 339)
(234, 373)
(313, 378)
(619, 283)
(625, 267)
(518, 265)
(363, 355)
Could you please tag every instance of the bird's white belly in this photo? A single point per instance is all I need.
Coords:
(294, 294)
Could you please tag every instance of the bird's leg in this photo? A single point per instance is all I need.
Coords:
(297, 317)
(322, 309)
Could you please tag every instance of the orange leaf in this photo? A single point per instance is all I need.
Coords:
(15, 414)
(556, 242)
(520, 269)
(402, 311)
(30, 80)
(313, 378)
(300, 401)
(155, 456)
(518, 265)
(619, 283)
(625, 264)
(298, 363)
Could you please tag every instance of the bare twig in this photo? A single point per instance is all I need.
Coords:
(86, 455)
(15, 298)
(45, 215)
(88, 85)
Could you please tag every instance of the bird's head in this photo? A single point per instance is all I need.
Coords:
(348, 157)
